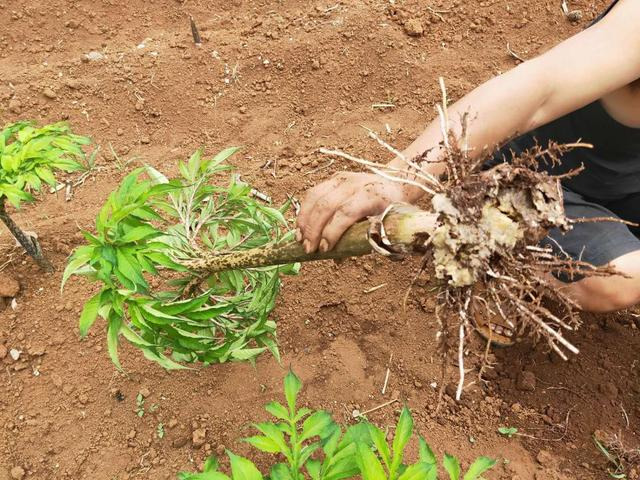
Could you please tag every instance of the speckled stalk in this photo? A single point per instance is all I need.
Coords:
(405, 231)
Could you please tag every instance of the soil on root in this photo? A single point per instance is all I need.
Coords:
(281, 79)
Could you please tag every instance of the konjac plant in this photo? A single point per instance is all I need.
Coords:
(145, 232)
(310, 444)
(30, 157)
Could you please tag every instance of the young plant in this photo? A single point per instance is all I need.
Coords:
(386, 463)
(30, 157)
(312, 442)
(145, 231)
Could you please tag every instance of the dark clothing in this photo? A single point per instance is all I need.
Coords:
(608, 187)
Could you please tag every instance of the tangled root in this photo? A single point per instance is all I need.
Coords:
(486, 250)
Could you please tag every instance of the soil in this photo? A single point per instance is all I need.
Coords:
(280, 78)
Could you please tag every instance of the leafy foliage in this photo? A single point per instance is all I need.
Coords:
(312, 442)
(30, 157)
(144, 230)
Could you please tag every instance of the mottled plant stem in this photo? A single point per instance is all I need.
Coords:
(30, 244)
(406, 232)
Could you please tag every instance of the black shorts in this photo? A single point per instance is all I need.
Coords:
(598, 243)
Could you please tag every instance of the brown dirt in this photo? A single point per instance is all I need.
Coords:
(281, 78)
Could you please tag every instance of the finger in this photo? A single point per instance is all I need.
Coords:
(322, 212)
(309, 201)
(357, 208)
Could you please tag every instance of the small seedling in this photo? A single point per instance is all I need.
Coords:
(160, 431)
(313, 446)
(140, 405)
(30, 157)
(508, 431)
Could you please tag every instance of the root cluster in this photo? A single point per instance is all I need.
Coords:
(486, 250)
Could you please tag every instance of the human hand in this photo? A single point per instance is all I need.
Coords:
(330, 208)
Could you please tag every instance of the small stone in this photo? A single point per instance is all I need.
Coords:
(15, 354)
(144, 391)
(139, 105)
(9, 286)
(49, 93)
(145, 139)
(243, 109)
(315, 65)
(73, 84)
(417, 384)
(83, 398)
(526, 381)
(544, 458)
(180, 441)
(131, 435)
(17, 473)
(94, 56)
(199, 437)
(413, 27)
(172, 423)
(120, 132)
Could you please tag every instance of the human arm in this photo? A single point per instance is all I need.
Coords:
(578, 71)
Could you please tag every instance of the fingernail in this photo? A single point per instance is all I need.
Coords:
(298, 235)
(324, 246)
(307, 246)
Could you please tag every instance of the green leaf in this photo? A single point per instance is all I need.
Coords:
(426, 454)
(277, 410)
(452, 466)
(508, 431)
(264, 444)
(477, 468)
(223, 156)
(292, 386)
(280, 471)
(211, 465)
(316, 425)
(138, 233)
(156, 177)
(89, 313)
(404, 430)
(370, 466)
(113, 329)
(243, 469)
(313, 467)
(417, 471)
(380, 442)
(273, 433)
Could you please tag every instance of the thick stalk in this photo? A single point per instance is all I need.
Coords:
(30, 244)
(406, 229)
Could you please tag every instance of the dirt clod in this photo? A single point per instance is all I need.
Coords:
(526, 381)
(17, 473)
(413, 27)
(199, 437)
(608, 389)
(9, 286)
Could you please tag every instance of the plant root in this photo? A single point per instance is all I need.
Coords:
(487, 239)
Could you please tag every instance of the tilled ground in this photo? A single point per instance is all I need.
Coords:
(282, 79)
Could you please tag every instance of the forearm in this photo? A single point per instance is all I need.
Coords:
(497, 110)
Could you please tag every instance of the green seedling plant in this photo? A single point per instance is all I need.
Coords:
(30, 157)
(386, 463)
(140, 405)
(175, 316)
(313, 446)
(508, 431)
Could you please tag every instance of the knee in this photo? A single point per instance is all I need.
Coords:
(609, 294)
